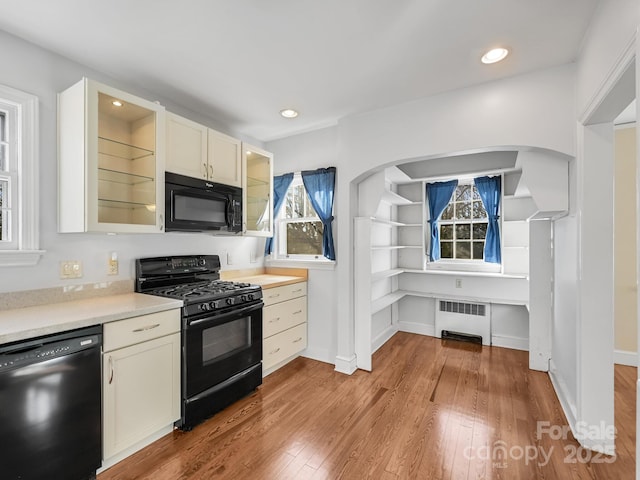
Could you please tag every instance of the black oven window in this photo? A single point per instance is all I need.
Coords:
(199, 209)
(226, 339)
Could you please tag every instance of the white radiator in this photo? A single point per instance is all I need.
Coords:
(464, 317)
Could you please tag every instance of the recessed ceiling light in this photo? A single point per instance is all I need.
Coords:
(288, 113)
(117, 103)
(495, 55)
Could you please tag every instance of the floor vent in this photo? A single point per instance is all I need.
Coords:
(464, 308)
(462, 337)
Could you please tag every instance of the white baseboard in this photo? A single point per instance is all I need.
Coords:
(110, 462)
(346, 365)
(560, 387)
(319, 354)
(506, 341)
(383, 337)
(624, 357)
(419, 328)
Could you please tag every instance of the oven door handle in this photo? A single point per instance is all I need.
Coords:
(234, 313)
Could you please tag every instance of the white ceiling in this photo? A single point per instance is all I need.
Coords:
(242, 61)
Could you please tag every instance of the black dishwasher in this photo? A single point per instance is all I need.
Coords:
(50, 406)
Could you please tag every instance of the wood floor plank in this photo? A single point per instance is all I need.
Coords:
(430, 409)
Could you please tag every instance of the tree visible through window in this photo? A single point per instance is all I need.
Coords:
(300, 230)
(463, 225)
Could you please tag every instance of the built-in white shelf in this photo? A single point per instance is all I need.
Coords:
(392, 223)
(393, 198)
(386, 274)
(385, 301)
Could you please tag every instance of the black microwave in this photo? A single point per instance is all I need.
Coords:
(197, 205)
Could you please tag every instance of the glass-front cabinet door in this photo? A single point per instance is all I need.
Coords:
(111, 161)
(257, 189)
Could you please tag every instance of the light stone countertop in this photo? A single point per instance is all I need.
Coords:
(22, 323)
(267, 281)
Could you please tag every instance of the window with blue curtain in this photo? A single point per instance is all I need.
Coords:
(438, 195)
(490, 190)
(464, 220)
(303, 210)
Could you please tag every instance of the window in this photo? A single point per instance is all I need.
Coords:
(18, 178)
(463, 225)
(299, 232)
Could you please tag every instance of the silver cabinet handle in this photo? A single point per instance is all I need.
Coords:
(273, 320)
(274, 351)
(210, 172)
(275, 295)
(148, 327)
(297, 291)
(161, 222)
(204, 171)
(295, 313)
(299, 339)
(110, 369)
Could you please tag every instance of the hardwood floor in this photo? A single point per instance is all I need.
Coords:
(430, 409)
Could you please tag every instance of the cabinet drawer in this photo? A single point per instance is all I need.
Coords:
(139, 329)
(281, 316)
(284, 293)
(283, 345)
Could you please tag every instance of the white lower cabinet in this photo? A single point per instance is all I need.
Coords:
(284, 320)
(141, 379)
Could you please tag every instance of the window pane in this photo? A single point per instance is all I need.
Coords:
(448, 213)
(446, 249)
(463, 250)
(476, 195)
(479, 231)
(4, 214)
(463, 231)
(304, 238)
(3, 127)
(478, 250)
(478, 210)
(446, 232)
(463, 211)
(3, 157)
(463, 192)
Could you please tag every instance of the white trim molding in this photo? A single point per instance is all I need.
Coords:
(27, 251)
(346, 365)
(624, 357)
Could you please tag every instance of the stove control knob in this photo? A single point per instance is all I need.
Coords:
(203, 306)
(243, 298)
(212, 305)
(230, 301)
(250, 296)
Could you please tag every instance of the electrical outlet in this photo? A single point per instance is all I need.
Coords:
(229, 259)
(458, 283)
(70, 269)
(253, 258)
(112, 264)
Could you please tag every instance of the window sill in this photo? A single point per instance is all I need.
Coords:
(309, 264)
(463, 273)
(20, 258)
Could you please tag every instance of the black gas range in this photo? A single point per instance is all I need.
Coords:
(221, 331)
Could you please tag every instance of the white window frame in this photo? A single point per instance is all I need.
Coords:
(278, 255)
(460, 265)
(21, 109)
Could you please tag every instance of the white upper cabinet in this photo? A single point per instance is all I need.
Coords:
(225, 159)
(257, 188)
(186, 147)
(110, 161)
(197, 151)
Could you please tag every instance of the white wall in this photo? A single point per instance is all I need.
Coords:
(43, 74)
(308, 151)
(529, 110)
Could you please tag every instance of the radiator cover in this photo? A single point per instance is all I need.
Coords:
(464, 317)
